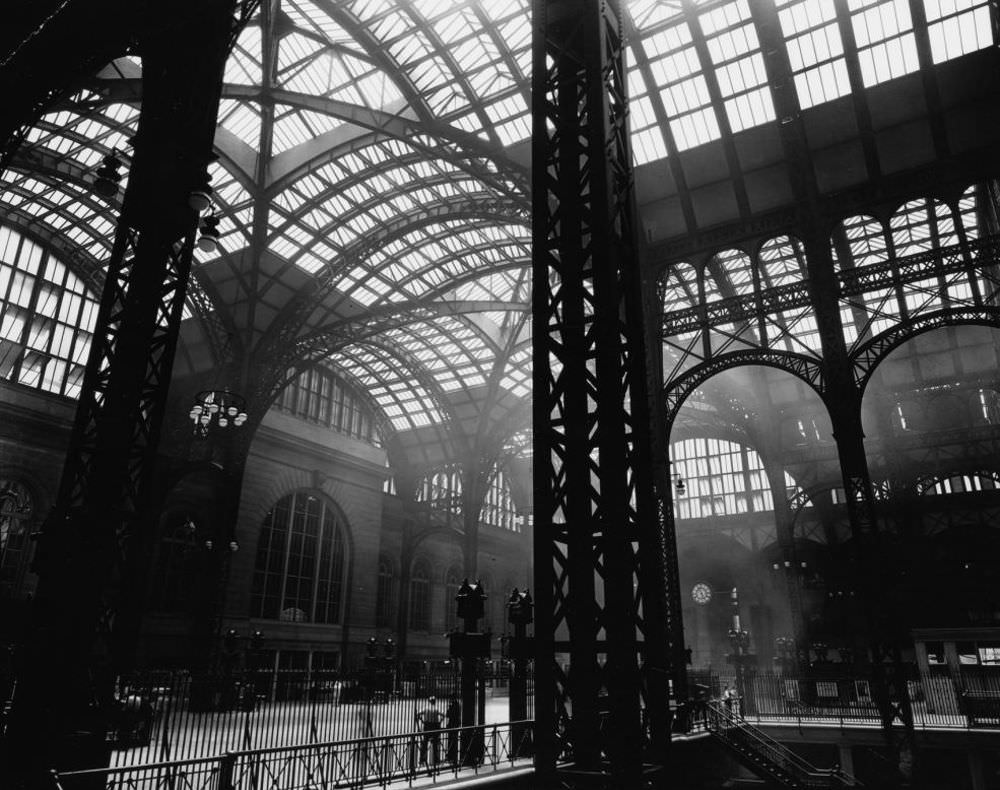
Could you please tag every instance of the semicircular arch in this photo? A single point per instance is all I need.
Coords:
(807, 369)
(866, 358)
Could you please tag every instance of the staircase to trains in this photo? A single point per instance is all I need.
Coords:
(768, 759)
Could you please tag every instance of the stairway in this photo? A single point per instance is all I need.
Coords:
(767, 758)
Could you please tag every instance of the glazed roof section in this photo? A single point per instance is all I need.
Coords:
(379, 147)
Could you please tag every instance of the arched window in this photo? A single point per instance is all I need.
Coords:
(498, 507)
(300, 568)
(721, 478)
(452, 583)
(384, 603)
(16, 512)
(442, 489)
(320, 396)
(420, 598)
(47, 318)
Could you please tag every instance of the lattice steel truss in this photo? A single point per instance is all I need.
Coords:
(90, 560)
(600, 558)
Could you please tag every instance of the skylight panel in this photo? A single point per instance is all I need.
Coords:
(957, 27)
(740, 73)
(241, 119)
(815, 51)
(886, 45)
(289, 130)
(650, 13)
(243, 65)
(309, 16)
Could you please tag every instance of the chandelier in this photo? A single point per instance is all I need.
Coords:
(217, 410)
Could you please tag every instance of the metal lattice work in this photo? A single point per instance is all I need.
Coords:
(90, 560)
(599, 575)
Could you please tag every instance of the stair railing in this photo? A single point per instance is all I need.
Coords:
(778, 760)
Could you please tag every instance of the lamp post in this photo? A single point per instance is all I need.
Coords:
(795, 574)
(471, 646)
(739, 640)
(518, 650)
(217, 556)
(379, 663)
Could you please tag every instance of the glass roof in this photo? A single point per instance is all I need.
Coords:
(373, 158)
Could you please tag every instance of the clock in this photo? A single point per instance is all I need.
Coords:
(701, 593)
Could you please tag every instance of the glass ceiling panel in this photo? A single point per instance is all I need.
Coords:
(887, 47)
(69, 211)
(431, 258)
(957, 27)
(243, 66)
(815, 50)
(242, 119)
(453, 350)
(735, 51)
(83, 135)
(309, 16)
(517, 375)
(406, 403)
(677, 72)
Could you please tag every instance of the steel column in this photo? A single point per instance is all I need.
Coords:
(883, 629)
(599, 554)
(93, 549)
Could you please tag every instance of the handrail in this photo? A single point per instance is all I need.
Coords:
(736, 731)
(374, 761)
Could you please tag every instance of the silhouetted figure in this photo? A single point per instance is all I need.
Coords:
(430, 717)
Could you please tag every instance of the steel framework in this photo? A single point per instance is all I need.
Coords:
(600, 527)
(92, 550)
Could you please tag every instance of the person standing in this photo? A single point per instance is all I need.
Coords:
(430, 719)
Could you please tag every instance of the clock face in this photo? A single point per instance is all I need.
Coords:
(701, 593)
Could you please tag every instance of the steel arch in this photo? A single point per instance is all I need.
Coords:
(867, 357)
(807, 369)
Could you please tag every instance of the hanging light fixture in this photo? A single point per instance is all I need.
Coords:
(209, 239)
(217, 410)
(108, 177)
(679, 485)
(201, 196)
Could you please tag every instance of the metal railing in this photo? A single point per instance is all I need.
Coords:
(769, 756)
(164, 717)
(413, 758)
(968, 700)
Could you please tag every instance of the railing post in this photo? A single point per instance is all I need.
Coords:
(226, 765)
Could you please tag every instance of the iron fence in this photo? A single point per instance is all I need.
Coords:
(171, 716)
(966, 699)
(412, 758)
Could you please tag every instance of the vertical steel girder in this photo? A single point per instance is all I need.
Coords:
(92, 550)
(599, 554)
(882, 630)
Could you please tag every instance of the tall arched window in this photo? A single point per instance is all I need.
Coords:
(420, 598)
(721, 478)
(498, 506)
(452, 583)
(300, 568)
(384, 603)
(47, 318)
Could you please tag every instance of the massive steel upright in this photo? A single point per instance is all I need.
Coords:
(90, 556)
(600, 571)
